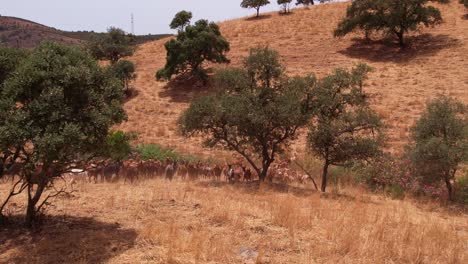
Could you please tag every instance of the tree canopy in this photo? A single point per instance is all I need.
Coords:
(439, 142)
(256, 113)
(255, 4)
(112, 46)
(181, 20)
(394, 17)
(344, 128)
(191, 48)
(123, 70)
(285, 5)
(55, 110)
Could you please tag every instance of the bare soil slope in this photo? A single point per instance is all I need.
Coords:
(436, 63)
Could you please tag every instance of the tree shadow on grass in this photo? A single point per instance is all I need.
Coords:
(64, 239)
(255, 186)
(387, 51)
(261, 17)
(307, 190)
(184, 89)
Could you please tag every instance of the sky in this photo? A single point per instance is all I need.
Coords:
(150, 16)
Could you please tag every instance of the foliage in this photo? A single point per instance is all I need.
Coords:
(305, 2)
(157, 152)
(9, 59)
(344, 129)
(395, 17)
(193, 46)
(55, 109)
(461, 189)
(285, 5)
(181, 20)
(111, 46)
(464, 2)
(118, 146)
(123, 70)
(256, 4)
(439, 142)
(256, 113)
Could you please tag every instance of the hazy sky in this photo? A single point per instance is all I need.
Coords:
(151, 16)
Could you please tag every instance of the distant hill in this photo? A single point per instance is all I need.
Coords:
(22, 33)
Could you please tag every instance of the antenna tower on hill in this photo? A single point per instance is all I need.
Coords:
(133, 25)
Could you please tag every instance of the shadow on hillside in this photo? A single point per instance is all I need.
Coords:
(65, 239)
(387, 50)
(255, 18)
(130, 93)
(184, 89)
(465, 16)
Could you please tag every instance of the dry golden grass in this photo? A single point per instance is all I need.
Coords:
(200, 222)
(399, 87)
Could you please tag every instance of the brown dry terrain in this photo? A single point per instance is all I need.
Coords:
(400, 85)
(21, 33)
(157, 221)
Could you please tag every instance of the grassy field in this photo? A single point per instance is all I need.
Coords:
(157, 221)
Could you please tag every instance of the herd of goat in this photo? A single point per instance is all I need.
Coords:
(134, 170)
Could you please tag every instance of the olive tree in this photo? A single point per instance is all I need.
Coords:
(191, 48)
(256, 113)
(305, 2)
(255, 4)
(344, 128)
(112, 46)
(439, 142)
(181, 20)
(394, 17)
(56, 110)
(10, 59)
(123, 70)
(464, 2)
(285, 5)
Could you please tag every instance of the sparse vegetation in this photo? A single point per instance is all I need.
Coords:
(192, 47)
(181, 20)
(157, 152)
(394, 17)
(344, 129)
(55, 109)
(112, 46)
(123, 70)
(440, 143)
(118, 145)
(255, 4)
(285, 4)
(256, 113)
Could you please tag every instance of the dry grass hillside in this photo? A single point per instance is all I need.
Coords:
(402, 82)
(21, 33)
(157, 221)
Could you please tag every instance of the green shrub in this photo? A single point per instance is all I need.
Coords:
(156, 152)
(461, 189)
(118, 145)
(396, 191)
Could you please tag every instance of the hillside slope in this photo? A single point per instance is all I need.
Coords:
(401, 83)
(22, 33)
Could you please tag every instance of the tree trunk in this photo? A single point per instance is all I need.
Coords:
(258, 11)
(449, 189)
(324, 176)
(32, 202)
(401, 39)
